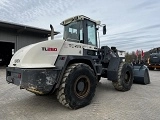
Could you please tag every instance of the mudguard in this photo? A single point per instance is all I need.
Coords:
(141, 74)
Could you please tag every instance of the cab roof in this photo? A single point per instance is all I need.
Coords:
(78, 17)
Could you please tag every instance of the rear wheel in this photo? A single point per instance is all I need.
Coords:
(77, 87)
(98, 78)
(125, 77)
(158, 68)
(150, 68)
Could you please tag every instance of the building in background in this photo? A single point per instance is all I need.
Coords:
(15, 36)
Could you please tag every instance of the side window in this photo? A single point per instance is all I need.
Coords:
(73, 31)
(91, 28)
(81, 34)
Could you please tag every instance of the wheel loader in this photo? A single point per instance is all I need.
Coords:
(154, 60)
(72, 67)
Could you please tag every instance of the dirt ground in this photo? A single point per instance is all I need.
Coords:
(142, 102)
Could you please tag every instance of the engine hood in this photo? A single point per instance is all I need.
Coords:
(38, 55)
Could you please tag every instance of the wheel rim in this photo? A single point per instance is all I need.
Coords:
(127, 77)
(82, 86)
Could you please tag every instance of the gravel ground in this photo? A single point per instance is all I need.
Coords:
(142, 102)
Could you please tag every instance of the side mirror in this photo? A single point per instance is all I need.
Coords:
(104, 29)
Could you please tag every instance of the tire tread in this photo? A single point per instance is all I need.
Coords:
(61, 91)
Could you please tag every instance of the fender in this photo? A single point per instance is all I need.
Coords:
(64, 60)
(112, 71)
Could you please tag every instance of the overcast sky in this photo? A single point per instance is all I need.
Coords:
(131, 24)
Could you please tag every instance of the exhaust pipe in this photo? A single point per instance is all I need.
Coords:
(52, 32)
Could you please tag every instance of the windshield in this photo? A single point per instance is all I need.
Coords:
(73, 31)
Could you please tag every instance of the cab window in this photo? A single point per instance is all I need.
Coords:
(91, 28)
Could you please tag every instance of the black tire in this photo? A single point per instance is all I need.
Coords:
(157, 68)
(98, 78)
(150, 68)
(70, 93)
(125, 77)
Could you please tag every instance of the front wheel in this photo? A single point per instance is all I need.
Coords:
(77, 87)
(125, 77)
(150, 68)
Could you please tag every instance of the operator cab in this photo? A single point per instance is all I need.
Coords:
(81, 29)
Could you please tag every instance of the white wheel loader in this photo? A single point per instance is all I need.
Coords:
(73, 65)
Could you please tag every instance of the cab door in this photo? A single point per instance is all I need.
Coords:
(90, 39)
